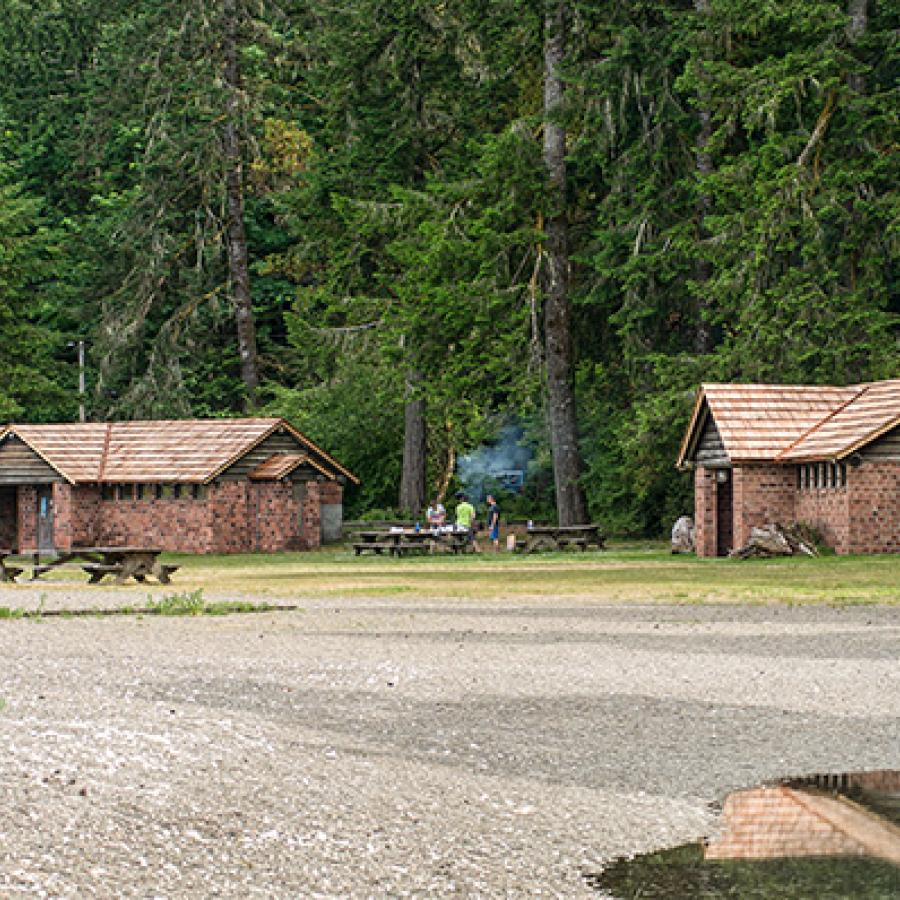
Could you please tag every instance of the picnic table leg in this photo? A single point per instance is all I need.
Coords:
(162, 575)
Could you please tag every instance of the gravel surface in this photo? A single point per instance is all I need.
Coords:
(369, 748)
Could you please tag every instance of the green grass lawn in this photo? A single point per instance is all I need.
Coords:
(635, 572)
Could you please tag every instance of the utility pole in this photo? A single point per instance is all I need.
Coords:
(81, 391)
(82, 417)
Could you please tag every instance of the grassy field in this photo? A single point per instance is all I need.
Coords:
(626, 572)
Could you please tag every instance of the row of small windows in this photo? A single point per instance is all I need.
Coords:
(154, 492)
(821, 475)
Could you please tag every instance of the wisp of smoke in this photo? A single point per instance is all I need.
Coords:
(502, 464)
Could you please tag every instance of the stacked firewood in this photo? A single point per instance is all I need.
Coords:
(778, 540)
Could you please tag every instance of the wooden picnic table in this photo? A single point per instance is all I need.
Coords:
(8, 573)
(400, 543)
(120, 562)
(562, 537)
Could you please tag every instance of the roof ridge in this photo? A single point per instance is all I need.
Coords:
(840, 408)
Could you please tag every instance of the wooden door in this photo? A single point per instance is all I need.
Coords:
(724, 512)
(45, 518)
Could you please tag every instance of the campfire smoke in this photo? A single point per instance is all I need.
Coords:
(501, 466)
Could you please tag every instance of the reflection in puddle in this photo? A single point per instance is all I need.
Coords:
(820, 836)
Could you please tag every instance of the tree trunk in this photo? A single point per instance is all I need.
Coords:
(570, 500)
(412, 479)
(238, 265)
(858, 10)
(703, 342)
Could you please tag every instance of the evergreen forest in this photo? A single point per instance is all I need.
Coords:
(409, 226)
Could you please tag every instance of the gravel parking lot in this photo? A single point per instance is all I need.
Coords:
(371, 748)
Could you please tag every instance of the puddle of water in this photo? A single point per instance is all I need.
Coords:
(684, 872)
(822, 836)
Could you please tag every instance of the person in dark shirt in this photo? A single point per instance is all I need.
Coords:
(493, 521)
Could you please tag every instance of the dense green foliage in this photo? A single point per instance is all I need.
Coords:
(731, 197)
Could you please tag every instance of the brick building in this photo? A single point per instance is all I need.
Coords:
(827, 456)
(199, 486)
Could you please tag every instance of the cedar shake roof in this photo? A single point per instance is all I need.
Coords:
(872, 412)
(785, 423)
(189, 450)
(277, 466)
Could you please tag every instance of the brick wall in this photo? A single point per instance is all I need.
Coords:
(172, 524)
(330, 492)
(873, 490)
(762, 494)
(705, 511)
(62, 515)
(773, 822)
(230, 518)
(863, 517)
(75, 515)
(8, 518)
(277, 516)
(312, 520)
(828, 511)
(235, 517)
(27, 518)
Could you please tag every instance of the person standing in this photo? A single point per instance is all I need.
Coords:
(493, 521)
(465, 518)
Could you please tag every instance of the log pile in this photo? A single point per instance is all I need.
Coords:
(778, 540)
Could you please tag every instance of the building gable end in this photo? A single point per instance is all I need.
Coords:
(279, 442)
(703, 445)
(885, 448)
(22, 464)
(710, 446)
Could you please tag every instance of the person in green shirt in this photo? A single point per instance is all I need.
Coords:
(465, 516)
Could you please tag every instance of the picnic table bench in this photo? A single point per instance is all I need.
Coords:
(561, 537)
(397, 543)
(8, 573)
(400, 543)
(120, 562)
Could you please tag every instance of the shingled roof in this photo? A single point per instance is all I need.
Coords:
(871, 413)
(788, 423)
(186, 450)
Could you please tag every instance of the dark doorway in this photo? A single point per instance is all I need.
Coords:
(9, 527)
(45, 518)
(724, 512)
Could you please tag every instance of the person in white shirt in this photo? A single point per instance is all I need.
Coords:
(436, 515)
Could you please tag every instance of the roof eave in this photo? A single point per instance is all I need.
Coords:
(689, 433)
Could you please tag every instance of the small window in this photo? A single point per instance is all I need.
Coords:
(842, 474)
(166, 492)
(177, 491)
(107, 492)
(198, 491)
(126, 492)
